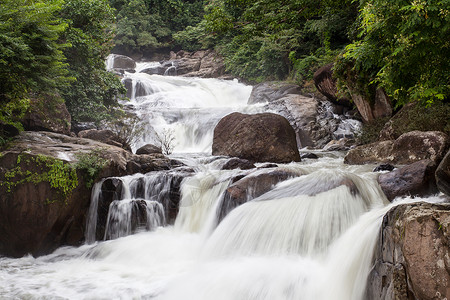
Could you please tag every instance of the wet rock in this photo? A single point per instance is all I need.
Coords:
(443, 175)
(267, 166)
(111, 190)
(309, 155)
(149, 149)
(38, 217)
(383, 167)
(412, 254)
(105, 136)
(408, 148)
(139, 89)
(121, 63)
(237, 163)
(250, 187)
(416, 179)
(339, 145)
(260, 138)
(326, 84)
(48, 114)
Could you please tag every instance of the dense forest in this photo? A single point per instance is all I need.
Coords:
(55, 49)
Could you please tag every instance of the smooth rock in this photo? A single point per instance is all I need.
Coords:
(149, 149)
(105, 136)
(416, 179)
(263, 137)
(238, 163)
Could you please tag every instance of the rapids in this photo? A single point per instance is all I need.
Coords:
(311, 237)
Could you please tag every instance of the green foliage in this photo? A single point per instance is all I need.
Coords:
(403, 47)
(90, 163)
(418, 117)
(60, 175)
(371, 131)
(268, 39)
(31, 54)
(90, 33)
(148, 25)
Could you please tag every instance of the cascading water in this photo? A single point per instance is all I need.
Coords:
(310, 237)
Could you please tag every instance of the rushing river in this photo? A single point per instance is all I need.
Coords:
(310, 237)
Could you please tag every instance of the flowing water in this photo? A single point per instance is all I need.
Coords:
(310, 237)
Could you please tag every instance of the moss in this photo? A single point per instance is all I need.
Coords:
(91, 163)
(60, 175)
(370, 131)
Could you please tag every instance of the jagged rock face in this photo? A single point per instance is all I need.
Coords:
(326, 84)
(408, 148)
(416, 179)
(47, 115)
(259, 138)
(443, 175)
(412, 255)
(36, 215)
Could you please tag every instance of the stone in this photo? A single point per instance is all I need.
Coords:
(238, 163)
(140, 89)
(416, 179)
(383, 167)
(120, 63)
(149, 149)
(48, 114)
(443, 175)
(105, 136)
(272, 91)
(38, 218)
(309, 155)
(381, 105)
(263, 137)
(412, 254)
(408, 148)
(326, 84)
(250, 187)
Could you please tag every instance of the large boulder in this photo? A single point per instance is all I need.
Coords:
(45, 181)
(443, 175)
(412, 254)
(416, 179)
(263, 137)
(48, 114)
(326, 84)
(408, 148)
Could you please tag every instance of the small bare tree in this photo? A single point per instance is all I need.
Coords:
(167, 140)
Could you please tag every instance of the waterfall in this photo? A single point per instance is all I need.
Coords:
(163, 235)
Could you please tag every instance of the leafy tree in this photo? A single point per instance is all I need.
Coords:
(403, 47)
(90, 33)
(31, 55)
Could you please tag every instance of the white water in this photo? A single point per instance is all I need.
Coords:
(310, 237)
(189, 108)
